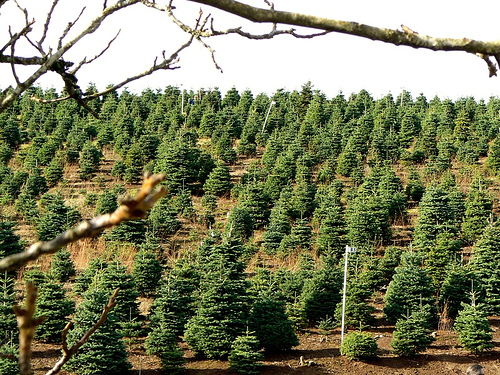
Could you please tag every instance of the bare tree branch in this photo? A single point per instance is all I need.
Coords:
(46, 26)
(69, 352)
(130, 209)
(85, 61)
(165, 64)
(68, 28)
(57, 55)
(392, 36)
(26, 29)
(27, 325)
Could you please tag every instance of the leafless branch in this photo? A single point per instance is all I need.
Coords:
(68, 28)
(55, 58)
(167, 63)
(27, 325)
(130, 209)
(85, 61)
(392, 36)
(14, 37)
(46, 26)
(69, 352)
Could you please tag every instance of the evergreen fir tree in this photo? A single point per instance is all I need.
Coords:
(485, 262)
(173, 304)
(413, 333)
(272, 327)
(410, 288)
(107, 202)
(279, 227)
(61, 266)
(239, 224)
(56, 307)
(171, 355)
(321, 293)
(146, 271)
(477, 215)
(359, 345)
(455, 290)
(53, 172)
(89, 161)
(493, 159)
(162, 219)
(223, 309)
(244, 357)
(9, 241)
(133, 231)
(127, 307)
(8, 322)
(473, 328)
(104, 352)
(332, 233)
(358, 313)
(9, 366)
(95, 269)
(219, 181)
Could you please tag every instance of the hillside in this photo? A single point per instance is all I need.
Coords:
(276, 187)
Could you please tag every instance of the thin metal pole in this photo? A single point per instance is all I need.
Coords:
(268, 111)
(343, 296)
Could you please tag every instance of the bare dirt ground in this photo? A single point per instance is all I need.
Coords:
(444, 356)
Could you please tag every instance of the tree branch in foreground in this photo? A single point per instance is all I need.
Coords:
(130, 209)
(69, 352)
(406, 36)
(27, 326)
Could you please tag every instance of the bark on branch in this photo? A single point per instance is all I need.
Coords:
(406, 36)
(69, 352)
(130, 209)
(27, 325)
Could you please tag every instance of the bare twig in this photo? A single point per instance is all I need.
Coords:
(166, 64)
(27, 325)
(405, 37)
(85, 61)
(54, 58)
(68, 28)
(129, 210)
(69, 352)
(14, 37)
(46, 26)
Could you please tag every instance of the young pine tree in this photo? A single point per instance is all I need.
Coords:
(473, 328)
(409, 289)
(56, 307)
(413, 333)
(244, 357)
(271, 325)
(146, 271)
(104, 353)
(62, 267)
(223, 308)
(359, 345)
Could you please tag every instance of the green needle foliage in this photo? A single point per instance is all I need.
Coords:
(104, 353)
(62, 267)
(473, 328)
(358, 346)
(56, 307)
(270, 324)
(413, 333)
(244, 357)
(146, 272)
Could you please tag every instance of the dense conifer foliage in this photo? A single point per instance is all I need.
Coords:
(264, 194)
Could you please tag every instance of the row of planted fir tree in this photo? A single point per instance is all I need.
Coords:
(333, 171)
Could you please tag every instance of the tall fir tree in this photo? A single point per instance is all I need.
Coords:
(223, 306)
(104, 352)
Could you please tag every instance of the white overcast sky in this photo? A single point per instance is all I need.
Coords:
(333, 63)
